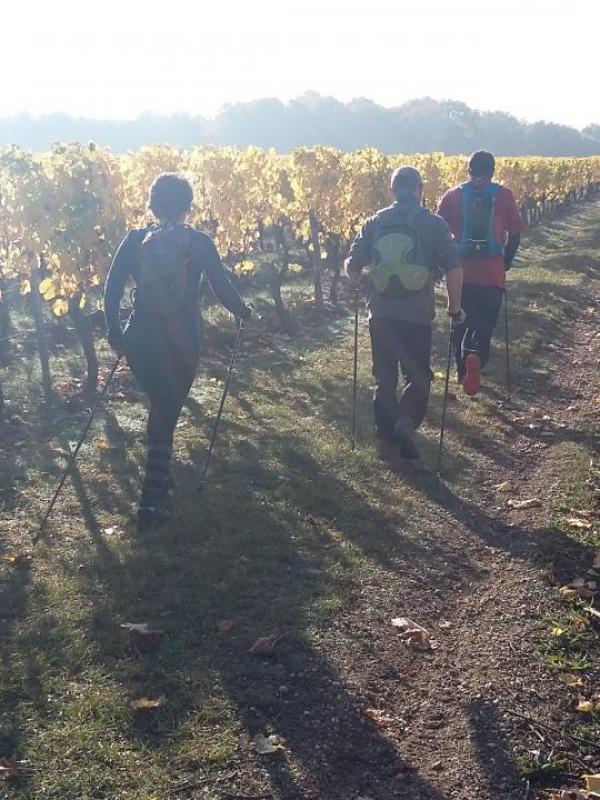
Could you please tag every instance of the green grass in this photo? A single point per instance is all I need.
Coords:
(291, 530)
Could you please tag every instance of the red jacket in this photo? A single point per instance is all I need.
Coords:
(489, 270)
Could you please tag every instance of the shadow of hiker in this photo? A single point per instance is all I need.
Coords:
(492, 749)
(547, 548)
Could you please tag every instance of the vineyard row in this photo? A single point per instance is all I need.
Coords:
(64, 212)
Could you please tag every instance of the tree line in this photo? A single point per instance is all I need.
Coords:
(417, 126)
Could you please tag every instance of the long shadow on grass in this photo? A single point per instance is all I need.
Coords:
(249, 550)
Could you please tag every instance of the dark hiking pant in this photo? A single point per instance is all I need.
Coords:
(482, 307)
(405, 347)
(164, 362)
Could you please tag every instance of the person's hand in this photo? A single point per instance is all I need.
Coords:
(117, 342)
(458, 317)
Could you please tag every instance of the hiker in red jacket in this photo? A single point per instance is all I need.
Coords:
(485, 221)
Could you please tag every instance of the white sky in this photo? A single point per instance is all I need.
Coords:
(117, 58)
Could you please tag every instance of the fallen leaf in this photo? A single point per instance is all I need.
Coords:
(102, 444)
(577, 591)
(570, 680)
(412, 633)
(266, 745)
(9, 767)
(520, 505)
(576, 522)
(378, 717)
(592, 783)
(22, 560)
(110, 531)
(144, 703)
(585, 706)
(142, 636)
(225, 625)
(505, 486)
(444, 624)
(265, 645)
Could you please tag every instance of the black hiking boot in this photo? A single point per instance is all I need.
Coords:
(404, 430)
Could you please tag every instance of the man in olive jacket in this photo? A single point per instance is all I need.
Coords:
(405, 249)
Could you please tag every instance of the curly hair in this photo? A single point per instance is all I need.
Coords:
(171, 196)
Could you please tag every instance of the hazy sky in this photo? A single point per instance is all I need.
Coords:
(117, 58)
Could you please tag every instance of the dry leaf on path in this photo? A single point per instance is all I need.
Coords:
(265, 645)
(522, 505)
(9, 767)
(225, 625)
(266, 745)
(413, 634)
(111, 531)
(592, 783)
(570, 680)
(505, 486)
(577, 591)
(586, 706)
(142, 636)
(22, 560)
(378, 717)
(144, 703)
(576, 522)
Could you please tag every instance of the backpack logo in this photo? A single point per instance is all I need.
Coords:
(163, 281)
(478, 208)
(397, 268)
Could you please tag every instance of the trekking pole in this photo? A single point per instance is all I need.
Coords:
(355, 370)
(99, 398)
(445, 402)
(507, 344)
(215, 430)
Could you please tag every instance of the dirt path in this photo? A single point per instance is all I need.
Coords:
(447, 712)
(294, 534)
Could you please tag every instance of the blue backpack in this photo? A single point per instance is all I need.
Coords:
(478, 206)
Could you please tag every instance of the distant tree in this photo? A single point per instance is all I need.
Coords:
(417, 126)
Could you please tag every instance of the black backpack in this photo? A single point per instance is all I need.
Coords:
(163, 279)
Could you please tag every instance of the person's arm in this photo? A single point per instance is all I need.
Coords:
(449, 209)
(120, 270)
(359, 255)
(448, 258)
(514, 228)
(510, 249)
(454, 280)
(222, 286)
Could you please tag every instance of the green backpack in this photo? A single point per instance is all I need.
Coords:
(398, 261)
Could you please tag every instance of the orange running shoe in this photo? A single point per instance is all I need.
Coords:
(472, 379)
